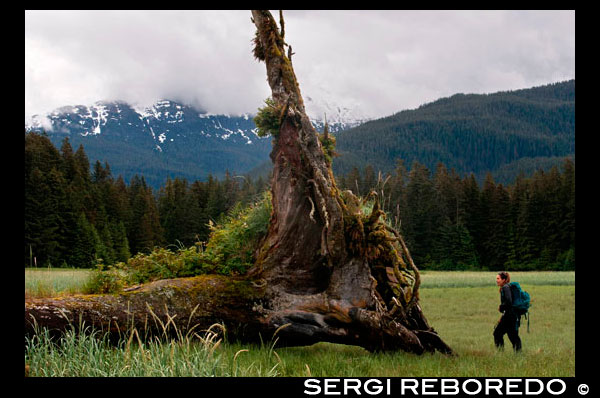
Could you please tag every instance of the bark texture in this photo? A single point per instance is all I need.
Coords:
(325, 272)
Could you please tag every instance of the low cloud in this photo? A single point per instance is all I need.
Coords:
(378, 61)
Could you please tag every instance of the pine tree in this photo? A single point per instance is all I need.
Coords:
(85, 244)
(144, 229)
(453, 245)
(41, 223)
(419, 222)
(488, 235)
(567, 224)
(518, 196)
(105, 245)
(120, 243)
(369, 181)
(117, 204)
(553, 213)
(473, 218)
(397, 193)
(354, 181)
(79, 189)
(179, 212)
(69, 167)
(199, 196)
(216, 205)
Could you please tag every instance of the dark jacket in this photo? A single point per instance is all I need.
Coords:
(506, 299)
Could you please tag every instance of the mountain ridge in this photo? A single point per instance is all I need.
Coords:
(164, 139)
(502, 133)
(476, 133)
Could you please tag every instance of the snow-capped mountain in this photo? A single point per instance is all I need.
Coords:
(163, 122)
(166, 138)
(339, 116)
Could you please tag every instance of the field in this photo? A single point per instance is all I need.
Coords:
(47, 282)
(461, 306)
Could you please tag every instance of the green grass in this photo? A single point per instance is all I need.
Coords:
(433, 279)
(461, 306)
(46, 282)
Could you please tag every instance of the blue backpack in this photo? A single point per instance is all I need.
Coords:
(521, 302)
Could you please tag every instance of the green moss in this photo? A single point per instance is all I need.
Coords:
(368, 236)
(328, 145)
(258, 50)
(268, 119)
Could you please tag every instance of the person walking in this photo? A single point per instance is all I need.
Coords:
(509, 322)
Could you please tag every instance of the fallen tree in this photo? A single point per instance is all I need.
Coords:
(326, 270)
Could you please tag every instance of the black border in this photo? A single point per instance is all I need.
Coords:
(294, 386)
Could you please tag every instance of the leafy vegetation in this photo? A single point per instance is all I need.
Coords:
(230, 250)
(327, 144)
(268, 119)
(232, 244)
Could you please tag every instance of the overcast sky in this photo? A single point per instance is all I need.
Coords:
(374, 62)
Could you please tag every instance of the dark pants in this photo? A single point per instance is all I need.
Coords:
(507, 325)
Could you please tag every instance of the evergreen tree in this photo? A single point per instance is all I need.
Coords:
(488, 193)
(397, 192)
(553, 213)
(117, 204)
(144, 230)
(85, 244)
(370, 181)
(216, 205)
(69, 167)
(453, 245)
(473, 218)
(567, 224)
(179, 212)
(79, 189)
(42, 224)
(105, 245)
(73, 216)
(121, 244)
(354, 182)
(418, 223)
(199, 196)
(517, 238)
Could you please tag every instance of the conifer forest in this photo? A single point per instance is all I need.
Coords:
(81, 215)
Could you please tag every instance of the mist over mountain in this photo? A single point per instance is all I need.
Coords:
(502, 133)
(165, 139)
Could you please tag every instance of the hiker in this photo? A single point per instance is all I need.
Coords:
(509, 322)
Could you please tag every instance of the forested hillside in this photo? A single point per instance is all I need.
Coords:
(502, 133)
(453, 222)
(77, 217)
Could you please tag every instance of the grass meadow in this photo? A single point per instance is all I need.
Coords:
(48, 282)
(461, 306)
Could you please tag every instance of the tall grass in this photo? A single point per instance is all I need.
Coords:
(461, 306)
(197, 354)
(46, 282)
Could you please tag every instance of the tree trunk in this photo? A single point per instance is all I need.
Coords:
(326, 271)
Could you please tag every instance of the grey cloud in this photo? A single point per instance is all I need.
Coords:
(378, 61)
